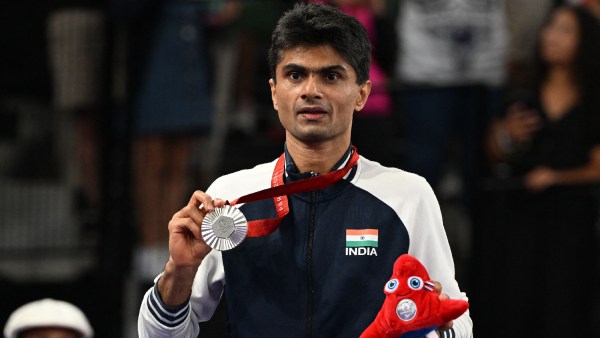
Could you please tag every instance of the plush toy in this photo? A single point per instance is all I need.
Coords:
(412, 308)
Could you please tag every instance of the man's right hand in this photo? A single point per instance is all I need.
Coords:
(186, 247)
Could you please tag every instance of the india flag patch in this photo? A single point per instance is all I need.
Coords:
(360, 238)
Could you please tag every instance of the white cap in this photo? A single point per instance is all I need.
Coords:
(47, 313)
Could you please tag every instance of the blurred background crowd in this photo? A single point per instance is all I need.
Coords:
(113, 112)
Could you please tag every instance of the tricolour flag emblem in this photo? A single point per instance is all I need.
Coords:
(362, 238)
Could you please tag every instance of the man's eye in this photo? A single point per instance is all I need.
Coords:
(332, 76)
(295, 76)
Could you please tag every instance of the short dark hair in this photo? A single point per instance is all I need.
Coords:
(318, 24)
(586, 68)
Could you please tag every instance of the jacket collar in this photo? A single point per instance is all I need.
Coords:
(292, 173)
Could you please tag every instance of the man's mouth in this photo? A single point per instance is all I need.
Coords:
(312, 113)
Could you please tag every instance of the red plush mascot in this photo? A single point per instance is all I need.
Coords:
(412, 308)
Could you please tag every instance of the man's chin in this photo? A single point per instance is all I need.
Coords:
(312, 137)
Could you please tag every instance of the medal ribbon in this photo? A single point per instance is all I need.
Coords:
(279, 192)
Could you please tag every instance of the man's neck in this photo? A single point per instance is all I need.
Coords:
(318, 158)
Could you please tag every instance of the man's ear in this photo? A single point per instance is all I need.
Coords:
(363, 95)
(273, 93)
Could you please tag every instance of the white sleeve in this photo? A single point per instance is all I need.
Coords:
(429, 244)
(158, 320)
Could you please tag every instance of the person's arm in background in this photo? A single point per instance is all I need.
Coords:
(507, 134)
(519, 125)
(543, 177)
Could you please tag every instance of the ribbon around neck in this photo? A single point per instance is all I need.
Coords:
(279, 192)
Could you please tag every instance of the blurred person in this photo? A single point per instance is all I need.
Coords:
(592, 5)
(546, 156)
(76, 33)
(300, 278)
(223, 33)
(524, 18)
(48, 318)
(449, 76)
(171, 104)
(255, 21)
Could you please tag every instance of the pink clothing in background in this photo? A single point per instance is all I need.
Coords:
(379, 103)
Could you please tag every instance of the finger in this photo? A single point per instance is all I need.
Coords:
(185, 226)
(193, 212)
(198, 212)
(533, 122)
(442, 297)
(218, 202)
(201, 200)
(515, 108)
(447, 326)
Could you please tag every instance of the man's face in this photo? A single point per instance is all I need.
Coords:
(316, 94)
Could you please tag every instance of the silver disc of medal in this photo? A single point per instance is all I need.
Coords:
(224, 228)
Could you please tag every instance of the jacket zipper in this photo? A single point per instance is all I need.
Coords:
(309, 254)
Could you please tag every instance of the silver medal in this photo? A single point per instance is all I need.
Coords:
(224, 228)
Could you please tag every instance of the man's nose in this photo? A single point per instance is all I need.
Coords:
(312, 88)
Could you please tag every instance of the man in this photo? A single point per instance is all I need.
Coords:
(307, 278)
(48, 318)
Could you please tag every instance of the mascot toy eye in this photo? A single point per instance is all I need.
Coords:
(415, 283)
(391, 286)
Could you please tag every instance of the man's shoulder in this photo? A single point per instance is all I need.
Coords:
(373, 170)
(382, 180)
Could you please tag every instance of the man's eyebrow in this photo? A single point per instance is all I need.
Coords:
(294, 66)
(332, 68)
